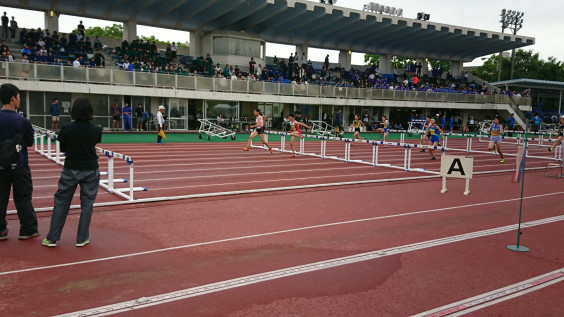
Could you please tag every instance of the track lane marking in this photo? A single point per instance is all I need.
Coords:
(258, 235)
(160, 299)
(497, 296)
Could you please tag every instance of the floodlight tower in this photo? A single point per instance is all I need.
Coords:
(513, 20)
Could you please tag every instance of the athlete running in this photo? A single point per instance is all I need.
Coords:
(496, 130)
(385, 129)
(259, 130)
(425, 136)
(296, 132)
(560, 135)
(434, 136)
(356, 125)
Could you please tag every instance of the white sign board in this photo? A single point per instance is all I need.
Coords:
(453, 166)
(457, 166)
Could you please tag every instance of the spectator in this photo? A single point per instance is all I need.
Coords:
(81, 29)
(327, 62)
(13, 28)
(78, 140)
(511, 124)
(18, 175)
(304, 60)
(139, 115)
(127, 117)
(537, 122)
(252, 65)
(5, 22)
(97, 43)
(116, 114)
(55, 113)
(173, 50)
(99, 59)
(76, 63)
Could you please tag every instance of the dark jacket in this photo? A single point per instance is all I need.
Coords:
(78, 141)
(10, 123)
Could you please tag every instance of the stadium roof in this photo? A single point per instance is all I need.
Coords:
(531, 83)
(297, 22)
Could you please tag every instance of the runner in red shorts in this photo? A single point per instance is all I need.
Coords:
(296, 132)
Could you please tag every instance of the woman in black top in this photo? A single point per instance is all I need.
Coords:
(78, 141)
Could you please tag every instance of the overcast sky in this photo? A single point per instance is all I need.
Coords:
(542, 21)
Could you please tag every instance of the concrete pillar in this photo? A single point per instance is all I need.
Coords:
(302, 49)
(345, 59)
(386, 112)
(456, 68)
(130, 31)
(385, 64)
(196, 43)
(52, 21)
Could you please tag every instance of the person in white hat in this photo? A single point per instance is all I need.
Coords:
(560, 135)
(161, 123)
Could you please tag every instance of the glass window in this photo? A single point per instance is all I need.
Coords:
(214, 108)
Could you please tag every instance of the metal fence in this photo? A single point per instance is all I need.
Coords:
(41, 72)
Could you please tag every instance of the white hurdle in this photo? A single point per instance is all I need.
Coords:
(58, 157)
(406, 166)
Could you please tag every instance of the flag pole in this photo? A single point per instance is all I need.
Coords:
(518, 247)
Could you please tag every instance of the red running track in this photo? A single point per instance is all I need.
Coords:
(217, 239)
(186, 169)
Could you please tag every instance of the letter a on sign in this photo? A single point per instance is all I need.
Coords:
(456, 166)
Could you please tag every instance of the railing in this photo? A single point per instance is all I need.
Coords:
(111, 76)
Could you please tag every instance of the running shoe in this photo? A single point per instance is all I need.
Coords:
(549, 149)
(4, 234)
(422, 150)
(293, 156)
(28, 236)
(271, 150)
(433, 158)
(48, 243)
(502, 160)
(246, 149)
(83, 243)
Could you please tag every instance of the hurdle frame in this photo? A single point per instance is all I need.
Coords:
(58, 157)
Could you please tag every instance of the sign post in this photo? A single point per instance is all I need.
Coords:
(453, 166)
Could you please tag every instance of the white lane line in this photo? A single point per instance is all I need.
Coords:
(274, 233)
(497, 296)
(160, 299)
(243, 181)
(245, 191)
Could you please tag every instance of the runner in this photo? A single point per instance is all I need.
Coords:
(434, 136)
(496, 130)
(259, 130)
(356, 124)
(560, 135)
(296, 132)
(385, 129)
(425, 136)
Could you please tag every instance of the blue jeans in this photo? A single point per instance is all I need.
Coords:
(89, 182)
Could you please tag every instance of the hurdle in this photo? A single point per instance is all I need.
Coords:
(109, 183)
(55, 155)
(375, 160)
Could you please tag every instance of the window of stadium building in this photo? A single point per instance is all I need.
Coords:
(226, 108)
(236, 46)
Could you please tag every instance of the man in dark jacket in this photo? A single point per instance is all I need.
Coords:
(18, 175)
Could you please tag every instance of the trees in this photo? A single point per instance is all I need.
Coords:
(115, 31)
(527, 65)
(402, 62)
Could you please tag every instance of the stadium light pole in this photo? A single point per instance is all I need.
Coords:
(513, 20)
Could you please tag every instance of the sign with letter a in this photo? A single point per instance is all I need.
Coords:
(457, 167)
